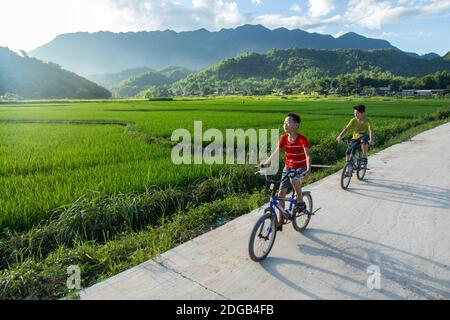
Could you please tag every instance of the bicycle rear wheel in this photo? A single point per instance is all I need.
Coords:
(346, 175)
(263, 236)
(301, 219)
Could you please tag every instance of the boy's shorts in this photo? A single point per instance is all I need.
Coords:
(287, 183)
(355, 144)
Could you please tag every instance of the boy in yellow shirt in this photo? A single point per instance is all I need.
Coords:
(362, 132)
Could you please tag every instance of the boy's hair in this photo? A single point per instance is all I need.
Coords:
(360, 107)
(294, 117)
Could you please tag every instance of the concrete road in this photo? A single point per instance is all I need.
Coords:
(396, 222)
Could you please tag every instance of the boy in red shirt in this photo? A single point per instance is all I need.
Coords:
(297, 157)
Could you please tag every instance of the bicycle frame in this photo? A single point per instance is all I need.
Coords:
(274, 203)
(353, 159)
(274, 199)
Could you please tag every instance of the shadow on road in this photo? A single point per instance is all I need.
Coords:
(398, 268)
(270, 265)
(401, 192)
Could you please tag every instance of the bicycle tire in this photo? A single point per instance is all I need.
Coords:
(258, 228)
(361, 171)
(345, 176)
(307, 216)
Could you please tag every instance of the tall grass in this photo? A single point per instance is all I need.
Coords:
(101, 217)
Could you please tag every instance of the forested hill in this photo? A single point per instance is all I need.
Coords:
(296, 70)
(446, 56)
(288, 63)
(30, 78)
(108, 80)
(133, 85)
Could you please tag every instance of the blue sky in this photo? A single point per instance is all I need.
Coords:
(420, 26)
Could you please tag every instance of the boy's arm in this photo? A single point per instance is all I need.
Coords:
(274, 154)
(346, 129)
(370, 134)
(308, 161)
(343, 133)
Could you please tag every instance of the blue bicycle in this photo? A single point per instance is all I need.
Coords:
(264, 232)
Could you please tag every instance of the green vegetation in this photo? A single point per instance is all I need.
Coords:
(29, 78)
(46, 278)
(446, 56)
(367, 82)
(92, 183)
(292, 71)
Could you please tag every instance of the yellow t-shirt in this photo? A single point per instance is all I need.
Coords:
(359, 128)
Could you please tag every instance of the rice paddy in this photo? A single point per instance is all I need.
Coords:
(53, 153)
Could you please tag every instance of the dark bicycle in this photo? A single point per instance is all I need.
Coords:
(264, 232)
(358, 164)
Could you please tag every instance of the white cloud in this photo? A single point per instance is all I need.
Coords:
(213, 15)
(155, 14)
(388, 34)
(320, 8)
(422, 34)
(296, 8)
(256, 2)
(373, 14)
(306, 23)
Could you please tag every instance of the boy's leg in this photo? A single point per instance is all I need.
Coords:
(298, 188)
(349, 151)
(300, 205)
(281, 194)
(364, 149)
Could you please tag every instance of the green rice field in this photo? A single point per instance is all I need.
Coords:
(52, 153)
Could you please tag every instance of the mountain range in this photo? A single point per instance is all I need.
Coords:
(107, 52)
(126, 63)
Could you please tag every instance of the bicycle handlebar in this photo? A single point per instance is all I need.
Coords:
(290, 174)
(347, 140)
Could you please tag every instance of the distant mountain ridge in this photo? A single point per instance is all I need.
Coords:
(107, 80)
(107, 52)
(31, 78)
(133, 85)
(446, 56)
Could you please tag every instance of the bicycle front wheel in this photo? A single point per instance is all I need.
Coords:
(301, 219)
(262, 237)
(346, 175)
(362, 168)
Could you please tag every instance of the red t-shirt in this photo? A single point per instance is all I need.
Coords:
(295, 151)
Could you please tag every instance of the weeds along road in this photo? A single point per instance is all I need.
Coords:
(384, 238)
